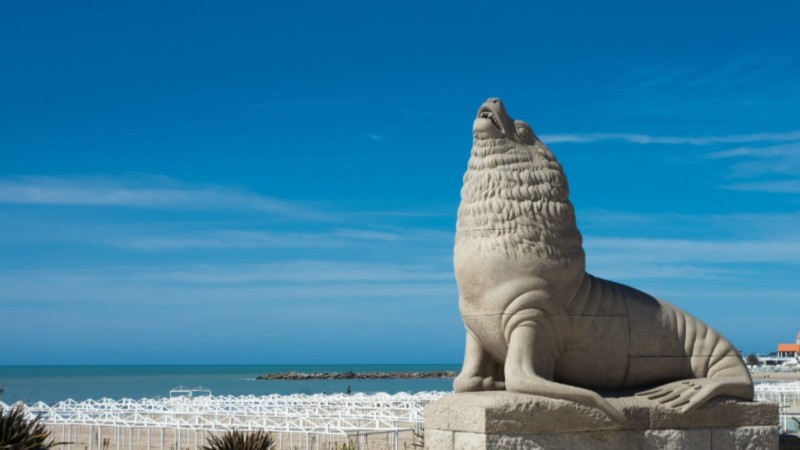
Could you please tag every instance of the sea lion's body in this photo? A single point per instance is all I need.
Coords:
(536, 321)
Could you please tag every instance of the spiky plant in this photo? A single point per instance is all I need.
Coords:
(17, 432)
(240, 440)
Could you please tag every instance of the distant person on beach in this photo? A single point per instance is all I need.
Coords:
(349, 391)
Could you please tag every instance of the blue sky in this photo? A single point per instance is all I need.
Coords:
(200, 182)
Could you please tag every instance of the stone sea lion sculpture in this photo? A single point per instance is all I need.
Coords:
(536, 322)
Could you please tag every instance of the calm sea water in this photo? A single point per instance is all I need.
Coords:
(53, 383)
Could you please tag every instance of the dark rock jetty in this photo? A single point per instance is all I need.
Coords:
(355, 375)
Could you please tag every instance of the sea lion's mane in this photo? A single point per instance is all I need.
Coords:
(515, 200)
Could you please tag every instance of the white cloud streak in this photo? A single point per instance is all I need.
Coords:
(778, 166)
(644, 258)
(741, 243)
(109, 291)
(625, 259)
(774, 187)
(732, 226)
(140, 192)
(789, 150)
(189, 284)
(228, 239)
(783, 159)
(239, 239)
(302, 272)
(670, 251)
(588, 138)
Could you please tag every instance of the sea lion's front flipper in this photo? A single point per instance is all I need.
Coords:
(480, 372)
(686, 395)
(529, 369)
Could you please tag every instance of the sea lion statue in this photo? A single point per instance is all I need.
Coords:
(536, 322)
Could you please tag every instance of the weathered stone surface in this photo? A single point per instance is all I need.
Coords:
(595, 440)
(536, 322)
(513, 413)
(504, 420)
(716, 413)
(510, 413)
(438, 439)
(694, 439)
(745, 438)
(469, 441)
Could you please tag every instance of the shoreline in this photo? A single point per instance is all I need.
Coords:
(350, 375)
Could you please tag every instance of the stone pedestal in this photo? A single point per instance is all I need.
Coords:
(509, 421)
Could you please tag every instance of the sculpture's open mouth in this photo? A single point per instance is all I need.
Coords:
(491, 121)
(486, 113)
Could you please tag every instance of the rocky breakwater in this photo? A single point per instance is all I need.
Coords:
(356, 375)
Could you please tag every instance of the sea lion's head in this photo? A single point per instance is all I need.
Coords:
(493, 122)
(515, 193)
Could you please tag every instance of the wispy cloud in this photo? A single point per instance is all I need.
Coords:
(731, 226)
(783, 159)
(775, 187)
(668, 251)
(302, 272)
(587, 138)
(777, 166)
(140, 192)
(782, 151)
(651, 258)
(743, 71)
(192, 283)
(245, 239)
(628, 245)
(228, 239)
(747, 89)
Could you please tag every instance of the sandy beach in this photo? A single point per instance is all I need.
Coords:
(79, 437)
(776, 376)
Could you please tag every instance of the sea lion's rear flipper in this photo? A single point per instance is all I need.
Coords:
(529, 367)
(686, 395)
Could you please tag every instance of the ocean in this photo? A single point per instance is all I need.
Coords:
(54, 383)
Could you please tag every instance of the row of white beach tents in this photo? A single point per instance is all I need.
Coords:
(304, 421)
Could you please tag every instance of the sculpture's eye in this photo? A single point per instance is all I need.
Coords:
(522, 131)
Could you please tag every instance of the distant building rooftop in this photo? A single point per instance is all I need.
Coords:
(790, 350)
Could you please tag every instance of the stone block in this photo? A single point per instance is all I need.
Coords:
(594, 440)
(745, 438)
(503, 420)
(439, 439)
(692, 438)
(469, 441)
(510, 413)
(716, 413)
